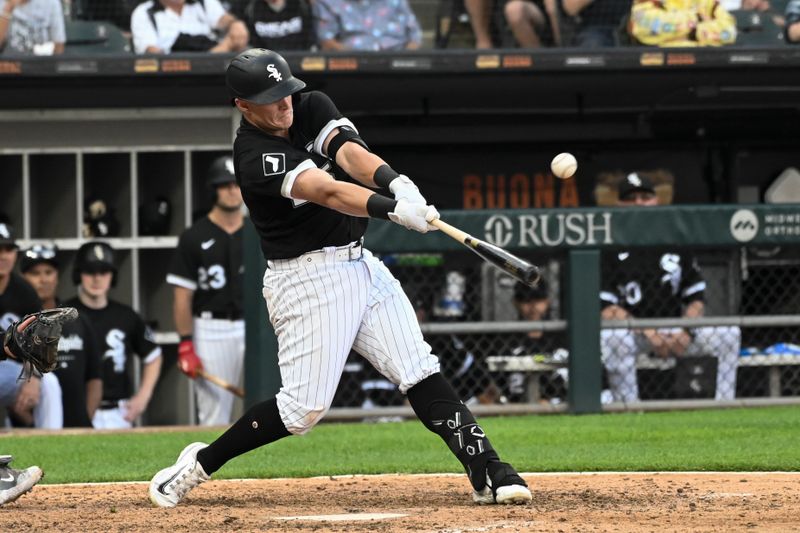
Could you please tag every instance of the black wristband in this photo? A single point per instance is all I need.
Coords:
(384, 175)
(186, 338)
(379, 206)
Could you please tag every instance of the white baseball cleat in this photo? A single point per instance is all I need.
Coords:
(171, 485)
(15, 483)
(503, 486)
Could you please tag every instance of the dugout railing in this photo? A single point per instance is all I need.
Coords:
(748, 254)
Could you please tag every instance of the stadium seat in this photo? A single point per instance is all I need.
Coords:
(755, 28)
(92, 37)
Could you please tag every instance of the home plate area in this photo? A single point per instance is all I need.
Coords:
(354, 517)
(442, 503)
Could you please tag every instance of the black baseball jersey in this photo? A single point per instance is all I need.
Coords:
(650, 283)
(266, 167)
(79, 361)
(120, 332)
(290, 28)
(19, 299)
(208, 261)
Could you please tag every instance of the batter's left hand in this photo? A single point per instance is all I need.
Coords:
(404, 189)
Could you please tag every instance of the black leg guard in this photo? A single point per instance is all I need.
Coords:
(438, 407)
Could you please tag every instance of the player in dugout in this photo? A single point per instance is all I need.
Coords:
(206, 274)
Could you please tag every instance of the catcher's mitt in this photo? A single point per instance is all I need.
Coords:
(36, 345)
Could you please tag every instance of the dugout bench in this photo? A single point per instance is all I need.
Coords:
(536, 365)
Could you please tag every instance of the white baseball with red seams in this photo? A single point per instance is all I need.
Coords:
(564, 165)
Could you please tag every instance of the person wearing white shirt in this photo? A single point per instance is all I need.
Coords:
(164, 26)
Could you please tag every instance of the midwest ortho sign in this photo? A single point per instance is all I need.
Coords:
(570, 229)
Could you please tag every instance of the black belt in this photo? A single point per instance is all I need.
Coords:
(221, 315)
(109, 404)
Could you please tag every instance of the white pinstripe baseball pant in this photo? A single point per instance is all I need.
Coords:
(220, 346)
(320, 307)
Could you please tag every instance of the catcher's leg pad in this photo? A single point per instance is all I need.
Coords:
(457, 426)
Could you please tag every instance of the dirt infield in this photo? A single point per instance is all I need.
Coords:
(561, 503)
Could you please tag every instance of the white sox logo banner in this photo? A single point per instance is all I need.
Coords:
(273, 164)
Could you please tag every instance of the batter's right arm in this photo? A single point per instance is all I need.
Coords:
(371, 170)
(318, 186)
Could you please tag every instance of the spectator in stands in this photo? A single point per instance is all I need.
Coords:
(681, 23)
(278, 24)
(79, 357)
(597, 21)
(792, 28)
(533, 23)
(480, 16)
(36, 401)
(657, 284)
(165, 26)
(533, 304)
(373, 25)
(32, 27)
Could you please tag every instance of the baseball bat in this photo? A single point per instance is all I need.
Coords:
(221, 382)
(505, 261)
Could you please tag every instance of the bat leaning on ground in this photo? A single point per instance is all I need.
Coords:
(505, 261)
(221, 382)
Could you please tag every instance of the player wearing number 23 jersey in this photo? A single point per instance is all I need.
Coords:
(206, 273)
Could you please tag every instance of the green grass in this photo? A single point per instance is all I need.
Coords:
(732, 439)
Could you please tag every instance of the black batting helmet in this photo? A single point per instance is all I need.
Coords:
(261, 76)
(220, 172)
(39, 253)
(93, 257)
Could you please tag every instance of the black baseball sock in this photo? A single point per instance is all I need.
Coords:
(260, 425)
(439, 408)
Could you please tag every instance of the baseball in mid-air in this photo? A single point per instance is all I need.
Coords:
(564, 165)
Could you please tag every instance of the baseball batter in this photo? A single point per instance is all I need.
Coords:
(307, 177)
(206, 273)
(121, 332)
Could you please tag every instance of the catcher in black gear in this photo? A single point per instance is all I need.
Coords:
(33, 340)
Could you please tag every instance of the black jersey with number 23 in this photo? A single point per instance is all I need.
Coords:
(208, 261)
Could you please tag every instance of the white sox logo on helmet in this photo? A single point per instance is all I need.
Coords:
(273, 72)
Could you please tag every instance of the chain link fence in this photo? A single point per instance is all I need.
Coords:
(501, 343)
